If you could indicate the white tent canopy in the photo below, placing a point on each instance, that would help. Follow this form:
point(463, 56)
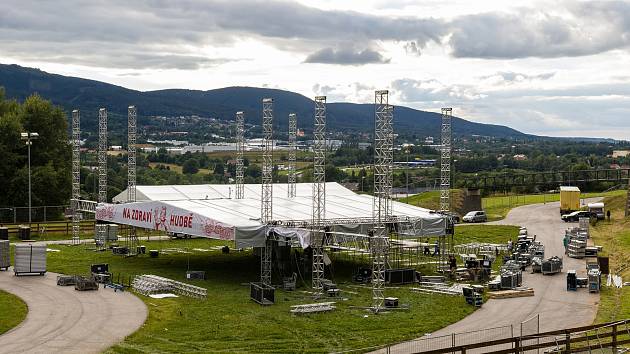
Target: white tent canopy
point(211, 210)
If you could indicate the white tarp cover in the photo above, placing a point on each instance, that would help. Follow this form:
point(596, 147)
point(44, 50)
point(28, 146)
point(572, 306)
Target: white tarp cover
point(213, 209)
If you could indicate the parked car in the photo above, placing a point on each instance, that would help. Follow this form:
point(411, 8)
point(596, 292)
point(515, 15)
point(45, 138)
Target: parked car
point(576, 215)
point(475, 216)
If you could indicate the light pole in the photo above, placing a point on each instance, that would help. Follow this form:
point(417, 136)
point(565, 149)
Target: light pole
point(407, 173)
point(28, 138)
point(362, 179)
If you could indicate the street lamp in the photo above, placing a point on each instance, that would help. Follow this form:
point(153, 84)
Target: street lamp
point(28, 138)
point(362, 179)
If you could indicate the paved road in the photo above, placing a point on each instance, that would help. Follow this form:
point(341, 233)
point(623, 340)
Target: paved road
point(557, 307)
point(63, 320)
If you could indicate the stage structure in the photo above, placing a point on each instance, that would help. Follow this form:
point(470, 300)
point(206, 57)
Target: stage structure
point(319, 192)
point(240, 148)
point(76, 176)
point(383, 153)
point(291, 172)
point(445, 161)
point(266, 210)
point(132, 238)
point(102, 155)
point(445, 244)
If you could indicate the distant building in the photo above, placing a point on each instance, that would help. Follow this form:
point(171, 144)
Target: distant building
point(429, 140)
point(519, 157)
point(620, 153)
point(364, 146)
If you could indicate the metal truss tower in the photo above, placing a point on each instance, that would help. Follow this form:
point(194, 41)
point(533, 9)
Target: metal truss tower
point(132, 238)
point(291, 175)
point(76, 175)
point(266, 210)
point(445, 170)
point(383, 154)
point(319, 192)
point(102, 155)
point(240, 148)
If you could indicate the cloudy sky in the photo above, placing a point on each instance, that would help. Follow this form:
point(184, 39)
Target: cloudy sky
point(558, 68)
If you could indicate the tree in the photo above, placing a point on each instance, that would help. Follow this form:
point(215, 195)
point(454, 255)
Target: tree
point(219, 170)
point(50, 154)
point(191, 166)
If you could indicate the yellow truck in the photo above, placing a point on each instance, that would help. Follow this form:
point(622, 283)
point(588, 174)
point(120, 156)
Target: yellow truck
point(569, 199)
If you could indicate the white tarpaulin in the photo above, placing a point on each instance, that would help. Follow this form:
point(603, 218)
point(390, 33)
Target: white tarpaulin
point(213, 211)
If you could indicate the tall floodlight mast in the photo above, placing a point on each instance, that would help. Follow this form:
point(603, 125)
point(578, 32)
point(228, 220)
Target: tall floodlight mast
point(240, 148)
point(445, 170)
point(266, 210)
point(102, 155)
point(291, 175)
point(132, 238)
point(76, 175)
point(383, 152)
point(319, 192)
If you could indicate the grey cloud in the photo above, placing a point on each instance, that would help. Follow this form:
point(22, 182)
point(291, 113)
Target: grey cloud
point(511, 76)
point(346, 56)
point(588, 28)
point(186, 24)
point(560, 111)
point(410, 90)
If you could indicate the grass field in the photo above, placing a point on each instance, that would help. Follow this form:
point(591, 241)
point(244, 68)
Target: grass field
point(614, 236)
point(12, 311)
point(177, 168)
point(229, 321)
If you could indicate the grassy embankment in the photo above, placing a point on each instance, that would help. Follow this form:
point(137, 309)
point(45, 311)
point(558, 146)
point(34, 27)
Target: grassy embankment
point(12, 311)
point(229, 321)
point(497, 207)
point(614, 236)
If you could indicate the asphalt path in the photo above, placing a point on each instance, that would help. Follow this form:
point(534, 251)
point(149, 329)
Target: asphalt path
point(557, 307)
point(63, 320)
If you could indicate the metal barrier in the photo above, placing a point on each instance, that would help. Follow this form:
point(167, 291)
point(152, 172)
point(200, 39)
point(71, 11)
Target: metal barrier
point(530, 327)
point(46, 213)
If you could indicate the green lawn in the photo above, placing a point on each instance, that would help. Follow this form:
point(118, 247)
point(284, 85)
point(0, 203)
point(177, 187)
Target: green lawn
point(12, 311)
point(229, 321)
point(614, 236)
point(485, 233)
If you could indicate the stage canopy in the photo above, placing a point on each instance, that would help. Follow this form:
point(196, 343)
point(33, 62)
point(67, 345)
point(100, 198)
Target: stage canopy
point(212, 211)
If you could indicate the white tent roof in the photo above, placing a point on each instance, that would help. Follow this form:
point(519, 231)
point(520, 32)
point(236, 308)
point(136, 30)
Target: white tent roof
point(213, 201)
point(215, 205)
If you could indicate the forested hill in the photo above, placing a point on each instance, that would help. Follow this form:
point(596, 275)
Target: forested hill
point(89, 95)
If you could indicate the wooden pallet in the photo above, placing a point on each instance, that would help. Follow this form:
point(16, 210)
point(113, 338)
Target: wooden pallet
point(507, 294)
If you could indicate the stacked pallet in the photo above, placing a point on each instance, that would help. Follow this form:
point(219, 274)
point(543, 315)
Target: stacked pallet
point(29, 259)
point(5, 261)
point(507, 294)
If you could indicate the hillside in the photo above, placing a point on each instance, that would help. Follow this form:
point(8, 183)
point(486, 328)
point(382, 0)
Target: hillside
point(89, 95)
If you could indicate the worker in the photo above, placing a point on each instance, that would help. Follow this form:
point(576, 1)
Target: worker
point(608, 214)
point(452, 263)
point(427, 251)
point(510, 246)
point(565, 242)
point(436, 249)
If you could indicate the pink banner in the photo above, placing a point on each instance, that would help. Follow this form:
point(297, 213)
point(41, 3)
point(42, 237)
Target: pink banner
point(161, 216)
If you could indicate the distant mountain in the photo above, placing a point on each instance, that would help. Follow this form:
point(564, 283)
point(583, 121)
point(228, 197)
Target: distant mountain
point(89, 95)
